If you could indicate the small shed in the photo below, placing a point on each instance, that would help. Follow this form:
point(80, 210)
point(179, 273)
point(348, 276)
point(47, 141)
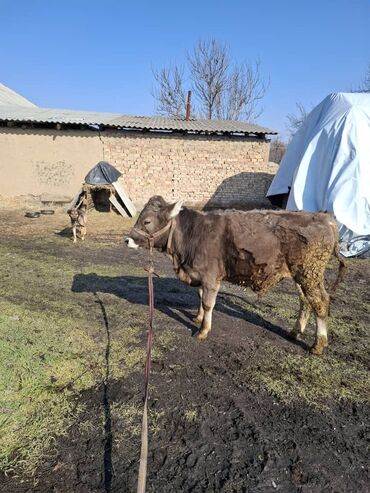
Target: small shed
point(102, 191)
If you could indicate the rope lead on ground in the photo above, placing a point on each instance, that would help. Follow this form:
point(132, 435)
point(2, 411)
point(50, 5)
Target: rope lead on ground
point(144, 426)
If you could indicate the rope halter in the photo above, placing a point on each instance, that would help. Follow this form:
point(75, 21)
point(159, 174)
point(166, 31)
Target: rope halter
point(152, 237)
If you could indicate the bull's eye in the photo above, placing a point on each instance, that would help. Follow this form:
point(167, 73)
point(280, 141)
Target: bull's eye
point(146, 223)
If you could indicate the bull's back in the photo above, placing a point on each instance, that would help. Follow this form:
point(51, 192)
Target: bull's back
point(266, 246)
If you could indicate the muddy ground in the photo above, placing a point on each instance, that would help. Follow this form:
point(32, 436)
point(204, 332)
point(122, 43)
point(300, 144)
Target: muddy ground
point(247, 410)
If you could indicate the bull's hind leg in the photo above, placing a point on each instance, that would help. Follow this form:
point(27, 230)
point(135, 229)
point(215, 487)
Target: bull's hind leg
point(319, 300)
point(200, 315)
point(321, 341)
point(209, 296)
point(303, 316)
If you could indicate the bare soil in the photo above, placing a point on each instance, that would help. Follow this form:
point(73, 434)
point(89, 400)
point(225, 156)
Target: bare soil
point(215, 426)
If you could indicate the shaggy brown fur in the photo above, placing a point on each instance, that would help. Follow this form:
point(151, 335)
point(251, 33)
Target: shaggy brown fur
point(254, 248)
point(78, 221)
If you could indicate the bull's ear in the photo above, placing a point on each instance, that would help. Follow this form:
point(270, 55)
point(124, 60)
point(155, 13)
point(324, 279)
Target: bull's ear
point(174, 209)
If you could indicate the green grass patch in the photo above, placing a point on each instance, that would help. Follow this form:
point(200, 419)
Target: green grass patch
point(45, 361)
point(315, 380)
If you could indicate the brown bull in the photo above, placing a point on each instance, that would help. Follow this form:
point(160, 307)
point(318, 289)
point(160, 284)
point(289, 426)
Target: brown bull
point(255, 248)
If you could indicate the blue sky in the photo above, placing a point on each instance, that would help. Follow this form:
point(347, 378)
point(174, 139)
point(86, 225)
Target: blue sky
point(98, 55)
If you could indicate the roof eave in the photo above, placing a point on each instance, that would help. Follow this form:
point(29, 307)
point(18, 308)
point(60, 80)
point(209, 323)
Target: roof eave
point(164, 129)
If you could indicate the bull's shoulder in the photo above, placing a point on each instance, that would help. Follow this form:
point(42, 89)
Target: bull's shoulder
point(201, 228)
point(196, 217)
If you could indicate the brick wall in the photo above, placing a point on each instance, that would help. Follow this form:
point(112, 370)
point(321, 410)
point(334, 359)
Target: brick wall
point(203, 170)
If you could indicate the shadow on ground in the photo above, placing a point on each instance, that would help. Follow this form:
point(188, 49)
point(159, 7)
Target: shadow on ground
point(171, 298)
point(107, 458)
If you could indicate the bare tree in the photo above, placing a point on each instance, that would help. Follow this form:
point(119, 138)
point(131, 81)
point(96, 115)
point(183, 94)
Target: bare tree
point(243, 93)
point(209, 64)
point(295, 120)
point(170, 93)
point(222, 88)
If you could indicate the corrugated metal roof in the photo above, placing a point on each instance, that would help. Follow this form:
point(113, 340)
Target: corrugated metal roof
point(47, 115)
point(165, 123)
point(113, 120)
point(9, 97)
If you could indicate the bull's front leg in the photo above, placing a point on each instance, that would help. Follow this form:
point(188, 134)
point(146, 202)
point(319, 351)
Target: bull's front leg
point(74, 232)
point(209, 295)
point(200, 315)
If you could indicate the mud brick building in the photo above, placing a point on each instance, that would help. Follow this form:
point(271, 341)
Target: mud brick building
point(206, 162)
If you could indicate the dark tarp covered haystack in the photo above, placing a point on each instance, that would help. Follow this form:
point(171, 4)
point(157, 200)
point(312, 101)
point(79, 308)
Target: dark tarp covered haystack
point(103, 192)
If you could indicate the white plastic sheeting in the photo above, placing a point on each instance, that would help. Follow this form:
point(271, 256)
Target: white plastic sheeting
point(327, 163)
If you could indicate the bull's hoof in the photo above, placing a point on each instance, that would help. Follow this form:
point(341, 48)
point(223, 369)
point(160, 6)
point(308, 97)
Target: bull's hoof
point(201, 336)
point(319, 346)
point(197, 320)
point(316, 350)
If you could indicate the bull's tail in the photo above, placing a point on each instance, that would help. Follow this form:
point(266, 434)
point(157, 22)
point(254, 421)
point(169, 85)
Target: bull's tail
point(341, 270)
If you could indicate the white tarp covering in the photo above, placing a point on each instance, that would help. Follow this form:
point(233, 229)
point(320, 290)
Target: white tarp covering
point(327, 163)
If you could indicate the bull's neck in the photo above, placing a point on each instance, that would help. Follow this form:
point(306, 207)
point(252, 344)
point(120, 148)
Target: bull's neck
point(182, 234)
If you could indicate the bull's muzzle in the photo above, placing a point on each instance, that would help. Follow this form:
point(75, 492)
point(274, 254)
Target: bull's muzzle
point(131, 243)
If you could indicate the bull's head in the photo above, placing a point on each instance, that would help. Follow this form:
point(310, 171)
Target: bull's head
point(153, 224)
